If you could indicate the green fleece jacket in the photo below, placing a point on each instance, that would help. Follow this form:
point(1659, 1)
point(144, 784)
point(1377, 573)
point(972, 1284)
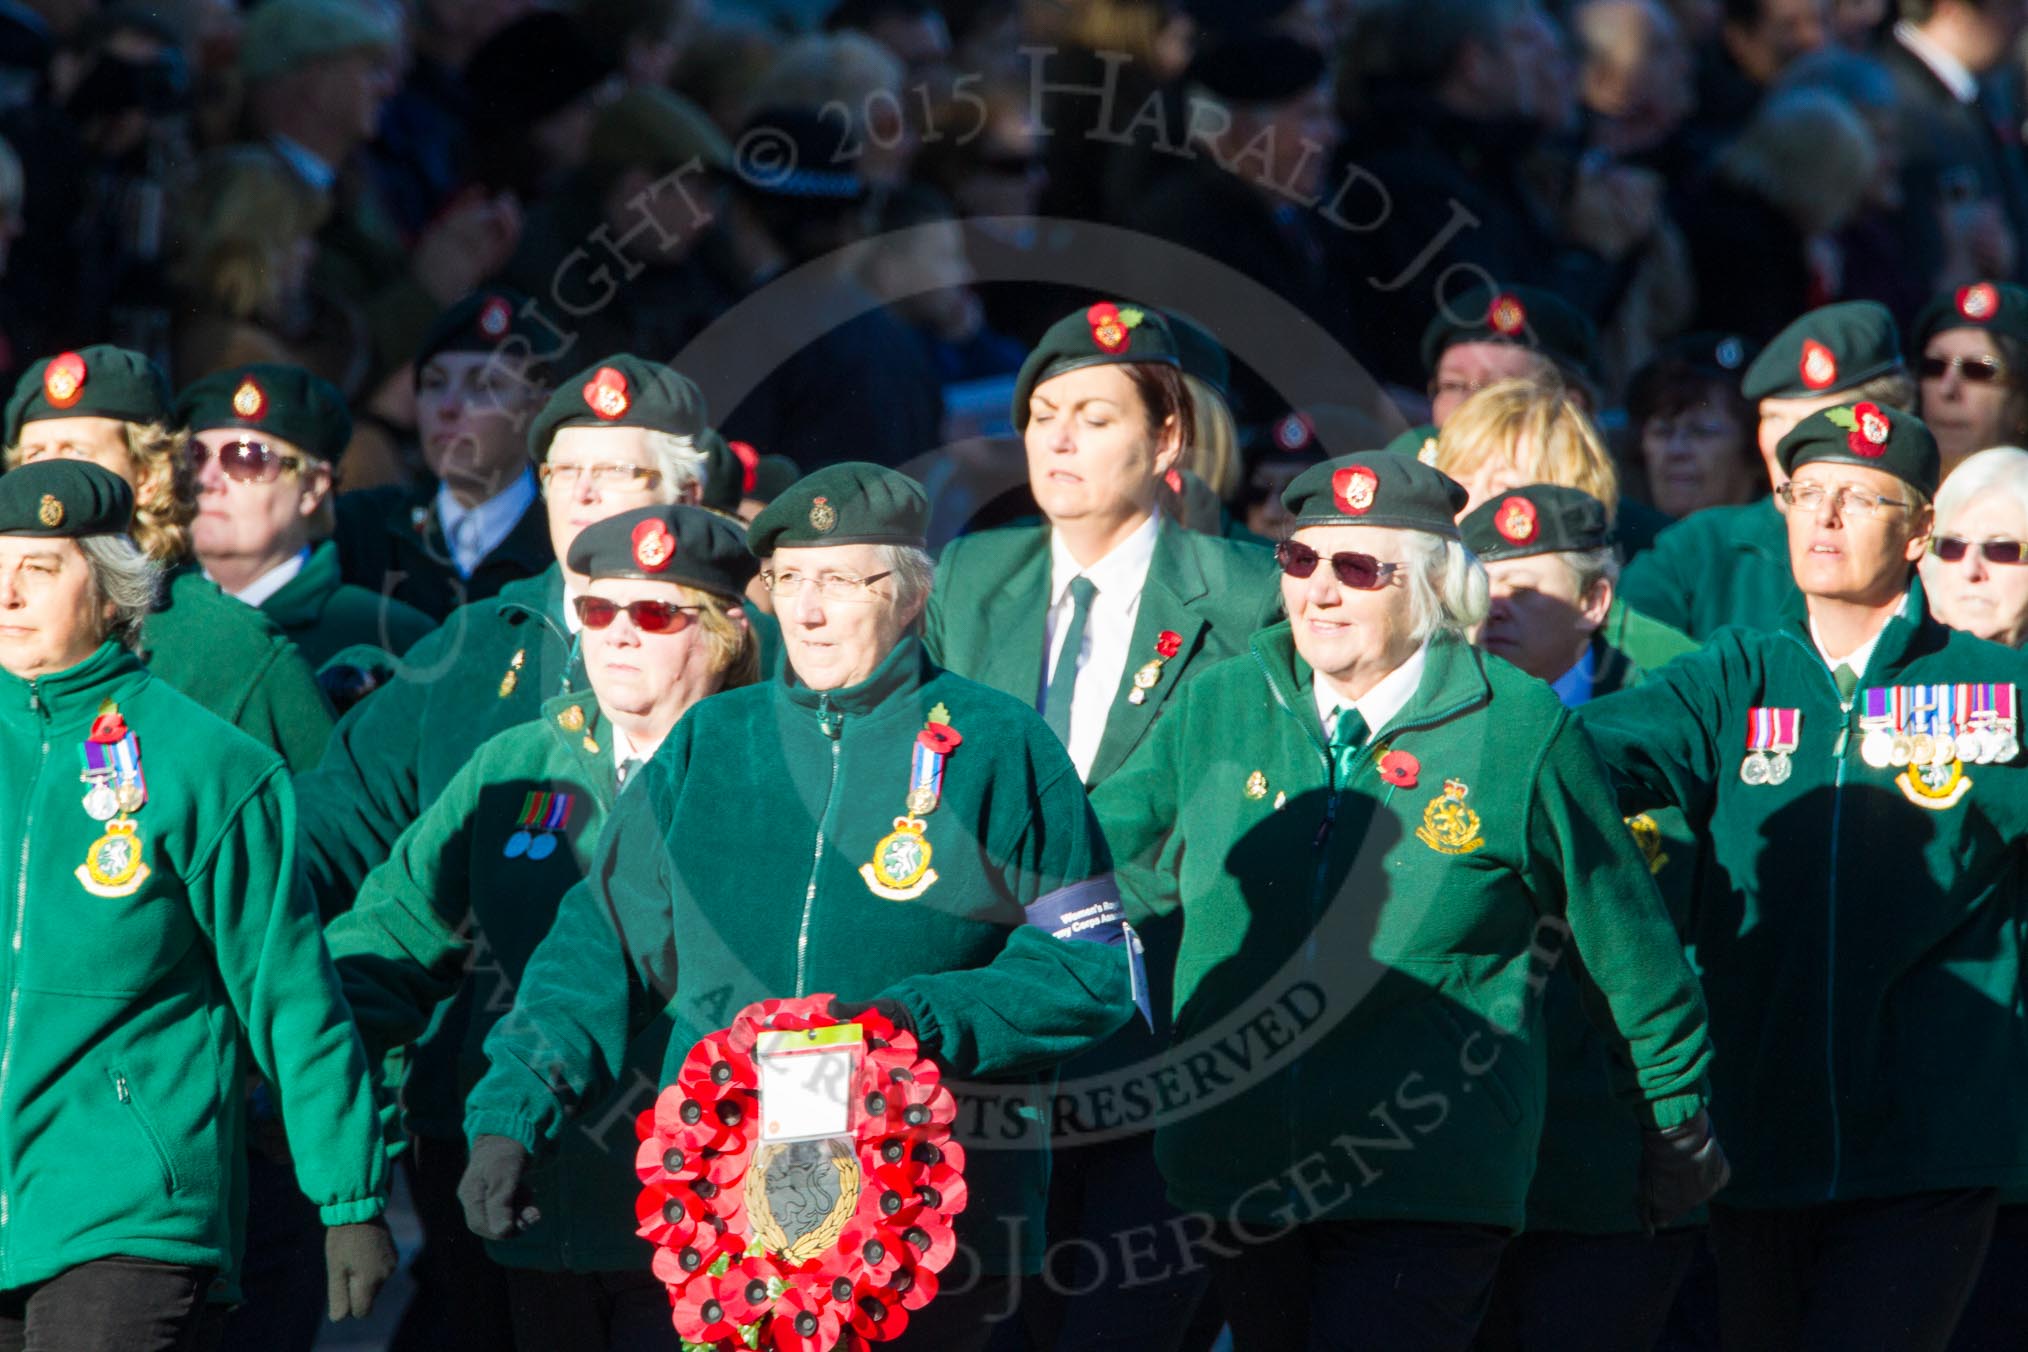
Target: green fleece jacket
point(232, 659)
point(409, 944)
point(1861, 952)
point(136, 1000)
point(1720, 566)
point(1355, 1007)
point(323, 615)
point(732, 872)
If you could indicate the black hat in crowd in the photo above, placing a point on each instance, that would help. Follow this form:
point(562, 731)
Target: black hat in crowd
point(1872, 436)
point(1107, 333)
point(620, 391)
point(64, 499)
point(853, 503)
point(1996, 307)
point(1537, 519)
point(287, 402)
point(1526, 316)
point(100, 381)
point(668, 543)
point(1377, 488)
point(1832, 348)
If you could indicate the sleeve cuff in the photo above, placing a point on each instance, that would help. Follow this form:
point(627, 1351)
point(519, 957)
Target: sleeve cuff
point(1674, 1110)
point(929, 1034)
point(514, 1127)
point(351, 1213)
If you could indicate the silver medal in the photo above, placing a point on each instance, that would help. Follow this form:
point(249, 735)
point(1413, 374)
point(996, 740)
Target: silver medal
point(1754, 769)
point(517, 845)
point(1779, 768)
point(1946, 750)
point(1876, 748)
point(542, 846)
point(100, 802)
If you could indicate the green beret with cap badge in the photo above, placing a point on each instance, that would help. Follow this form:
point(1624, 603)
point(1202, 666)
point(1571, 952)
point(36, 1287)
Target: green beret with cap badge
point(1377, 488)
point(1537, 519)
point(668, 543)
point(493, 319)
point(1870, 435)
point(620, 391)
point(853, 503)
point(1107, 333)
point(1997, 307)
point(100, 381)
point(1832, 348)
point(1525, 316)
point(288, 402)
point(64, 499)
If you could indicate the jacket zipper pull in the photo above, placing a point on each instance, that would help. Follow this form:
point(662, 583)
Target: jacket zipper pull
point(34, 699)
point(1330, 816)
point(828, 721)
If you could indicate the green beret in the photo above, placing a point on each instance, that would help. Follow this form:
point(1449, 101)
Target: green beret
point(669, 543)
point(1202, 355)
point(1832, 348)
point(65, 498)
point(1998, 307)
point(773, 477)
point(283, 401)
point(850, 504)
point(100, 381)
point(1107, 334)
point(482, 322)
point(1537, 519)
point(1871, 435)
point(1315, 433)
point(1526, 316)
point(620, 391)
point(1418, 443)
point(1376, 488)
point(649, 128)
point(727, 473)
point(284, 34)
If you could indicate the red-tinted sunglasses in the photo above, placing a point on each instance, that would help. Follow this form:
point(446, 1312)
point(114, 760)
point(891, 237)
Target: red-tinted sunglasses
point(650, 617)
point(1361, 572)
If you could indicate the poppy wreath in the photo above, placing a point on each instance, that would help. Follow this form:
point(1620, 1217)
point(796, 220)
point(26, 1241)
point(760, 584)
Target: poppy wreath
point(727, 1289)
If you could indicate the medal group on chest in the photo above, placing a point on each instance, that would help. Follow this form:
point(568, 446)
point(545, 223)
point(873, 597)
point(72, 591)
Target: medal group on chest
point(115, 789)
point(1928, 732)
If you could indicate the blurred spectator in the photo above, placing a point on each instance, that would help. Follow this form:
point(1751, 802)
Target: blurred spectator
point(1857, 24)
point(31, 31)
point(1789, 184)
point(11, 358)
point(856, 84)
point(1971, 357)
point(243, 274)
point(1265, 105)
point(625, 258)
point(724, 60)
point(1757, 41)
point(1693, 429)
point(1635, 78)
point(1965, 181)
point(912, 29)
point(1517, 333)
point(925, 279)
point(642, 39)
point(848, 382)
point(1133, 48)
point(536, 87)
point(1976, 573)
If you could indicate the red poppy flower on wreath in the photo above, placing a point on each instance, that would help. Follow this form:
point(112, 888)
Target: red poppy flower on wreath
point(751, 1299)
point(876, 1312)
point(930, 1241)
point(916, 1282)
point(872, 1246)
point(802, 1321)
point(941, 738)
point(917, 1103)
point(1168, 643)
point(1400, 769)
point(670, 1214)
point(708, 1310)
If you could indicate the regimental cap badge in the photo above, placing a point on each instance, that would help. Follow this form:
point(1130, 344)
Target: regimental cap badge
point(823, 516)
point(606, 393)
point(50, 512)
point(654, 546)
point(1730, 353)
point(1979, 302)
point(1506, 315)
point(1353, 489)
point(247, 401)
point(1428, 454)
point(63, 380)
point(1516, 521)
point(494, 317)
point(1112, 326)
point(1294, 432)
point(1819, 365)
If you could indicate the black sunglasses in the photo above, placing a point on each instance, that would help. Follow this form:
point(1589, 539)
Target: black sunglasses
point(650, 617)
point(1950, 549)
point(1976, 370)
point(1361, 572)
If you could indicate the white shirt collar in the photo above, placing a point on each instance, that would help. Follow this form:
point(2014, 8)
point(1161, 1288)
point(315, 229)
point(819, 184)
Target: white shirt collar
point(624, 748)
point(1120, 573)
point(474, 532)
point(1389, 696)
point(1573, 687)
point(273, 580)
point(1964, 85)
point(1860, 657)
point(308, 165)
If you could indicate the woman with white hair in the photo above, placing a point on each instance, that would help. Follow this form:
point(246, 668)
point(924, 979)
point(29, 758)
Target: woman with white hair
point(1378, 840)
point(1973, 573)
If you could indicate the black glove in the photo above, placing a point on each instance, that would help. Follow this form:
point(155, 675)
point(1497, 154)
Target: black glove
point(893, 1011)
point(1682, 1168)
point(494, 1189)
point(358, 1260)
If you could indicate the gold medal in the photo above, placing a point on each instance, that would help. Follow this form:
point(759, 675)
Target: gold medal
point(922, 801)
point(1921, 749)
point(130, 796)
point(113, 865)
point(1256, 785)
point(900, 868)
point(1147, 676)
point(591, 745)
point(571, 719)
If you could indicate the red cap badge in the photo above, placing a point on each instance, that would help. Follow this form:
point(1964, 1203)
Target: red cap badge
point(1507, 316)
point(1979, 302)
point(1293, 432)
point(606, 393)
point(654, 546)
point(1818, 368)
point(1353, 489)
point(749, 466)
point(494, 317)
point(63, 382)
point(248, 401)
point(1111, 325)
point(1515, 520)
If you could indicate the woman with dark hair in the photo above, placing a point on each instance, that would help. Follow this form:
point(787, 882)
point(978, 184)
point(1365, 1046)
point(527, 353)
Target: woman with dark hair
point(1694, 428)
point(1971, 354)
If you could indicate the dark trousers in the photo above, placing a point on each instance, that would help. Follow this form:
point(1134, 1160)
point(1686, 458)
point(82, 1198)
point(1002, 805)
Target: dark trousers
point(1996, 1317)
point(461, 1295)
point(1561, 1292)
point(590, 1311)
point(282, 1277)
point(113, 1305)
point(1116, 1276)
point(1334, 1286)
point(957, 1320)
point(1891, 1273)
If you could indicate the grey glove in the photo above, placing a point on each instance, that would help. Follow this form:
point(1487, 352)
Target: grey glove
point(1682, 1168)
point(358, 1260)
point(494, 1189)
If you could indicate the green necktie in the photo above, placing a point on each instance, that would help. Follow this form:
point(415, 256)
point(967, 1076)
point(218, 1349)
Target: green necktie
point(1348, 736)
point(1063, 680)
point(1848, 682)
